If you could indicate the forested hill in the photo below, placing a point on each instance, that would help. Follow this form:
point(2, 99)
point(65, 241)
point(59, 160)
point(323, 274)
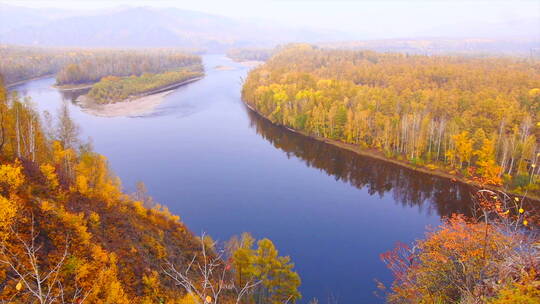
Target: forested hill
point(148, 27)
point(473, 117)
point(68, 234)
point(77, 65)
point(63, 214)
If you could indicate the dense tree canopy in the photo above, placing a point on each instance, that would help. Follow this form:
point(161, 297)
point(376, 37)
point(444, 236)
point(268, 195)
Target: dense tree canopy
point(100, 63)
point(473, 116)
point(78, 65)
point(22, 63)
point(249, 54)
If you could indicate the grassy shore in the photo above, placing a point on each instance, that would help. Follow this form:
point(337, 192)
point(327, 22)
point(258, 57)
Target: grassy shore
point(74, 87)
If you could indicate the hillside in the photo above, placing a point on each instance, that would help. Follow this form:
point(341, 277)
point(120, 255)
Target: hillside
point(63, 211)
point(148, 27)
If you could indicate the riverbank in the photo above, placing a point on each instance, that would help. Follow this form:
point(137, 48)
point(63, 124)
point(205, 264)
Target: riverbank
point(376, 154)
point(73, 87)
point(134, 106)
point(251, 63)
point(14, 84)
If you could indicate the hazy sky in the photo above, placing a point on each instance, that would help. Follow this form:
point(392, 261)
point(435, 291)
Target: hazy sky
point(384, 17)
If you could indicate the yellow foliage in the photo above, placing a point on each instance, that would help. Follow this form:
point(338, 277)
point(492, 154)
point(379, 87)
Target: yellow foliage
point(94, 179)
point(189, 298)
point(534, 92)
point(19, 286)
point(46, 206)
point(61, 155)
point(525, 292)
point(431, 166)
point(94, 219)
point(140, 209)
point(49, 172)
point(151, 285)
point(11, 175)
point(82, 184)
point(8, 210)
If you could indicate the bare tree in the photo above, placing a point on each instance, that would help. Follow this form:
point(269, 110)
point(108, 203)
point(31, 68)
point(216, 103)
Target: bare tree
point(67, 131)
point(42, 285)
point(212, 273)
point(141, 195)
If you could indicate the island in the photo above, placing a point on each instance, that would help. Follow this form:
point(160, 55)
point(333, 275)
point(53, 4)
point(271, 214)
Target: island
point(134, 95)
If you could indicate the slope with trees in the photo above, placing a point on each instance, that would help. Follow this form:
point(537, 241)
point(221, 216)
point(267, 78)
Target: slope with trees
point(473, 117)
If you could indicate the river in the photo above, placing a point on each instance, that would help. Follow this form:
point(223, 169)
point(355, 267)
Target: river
point(225, 170)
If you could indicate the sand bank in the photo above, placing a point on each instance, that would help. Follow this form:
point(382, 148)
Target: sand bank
point(133, 107)
point(143, 104)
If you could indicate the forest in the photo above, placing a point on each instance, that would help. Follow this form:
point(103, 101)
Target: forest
point(22, 63)
point(476, 118)
point(250, 54)
point(112, 89)
point(80, 65)
point(101, 63)
point(68, 234)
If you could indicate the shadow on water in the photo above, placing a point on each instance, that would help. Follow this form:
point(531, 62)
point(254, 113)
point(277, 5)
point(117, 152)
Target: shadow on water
point(407, 186)
point(72, 95)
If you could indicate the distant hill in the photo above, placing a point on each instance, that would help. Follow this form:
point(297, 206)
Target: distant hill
point(142, 27)
point(173, 27)
point(522, 46)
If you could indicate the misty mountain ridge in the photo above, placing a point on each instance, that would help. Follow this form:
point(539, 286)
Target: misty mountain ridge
point(173, 27)
point(147, 27)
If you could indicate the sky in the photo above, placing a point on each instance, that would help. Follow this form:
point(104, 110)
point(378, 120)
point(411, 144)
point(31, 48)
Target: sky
point(383, 17)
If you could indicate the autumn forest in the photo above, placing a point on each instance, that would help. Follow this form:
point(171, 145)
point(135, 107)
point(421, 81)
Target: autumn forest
point(265, 153)
point(476, 118)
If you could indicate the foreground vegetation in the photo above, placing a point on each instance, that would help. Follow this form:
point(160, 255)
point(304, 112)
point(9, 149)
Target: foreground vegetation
point(115, 89)
point(472, 117)
point(491, 258)
point(69, 235)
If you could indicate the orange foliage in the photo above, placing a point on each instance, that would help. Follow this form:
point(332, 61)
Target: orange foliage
point(468, 260)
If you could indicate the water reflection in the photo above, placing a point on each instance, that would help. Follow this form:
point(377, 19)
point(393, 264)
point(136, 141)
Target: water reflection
point(72, 95)
point(408, 187)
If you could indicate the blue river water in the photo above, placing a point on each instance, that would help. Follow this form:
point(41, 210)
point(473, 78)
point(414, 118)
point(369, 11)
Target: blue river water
point(225, 171)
